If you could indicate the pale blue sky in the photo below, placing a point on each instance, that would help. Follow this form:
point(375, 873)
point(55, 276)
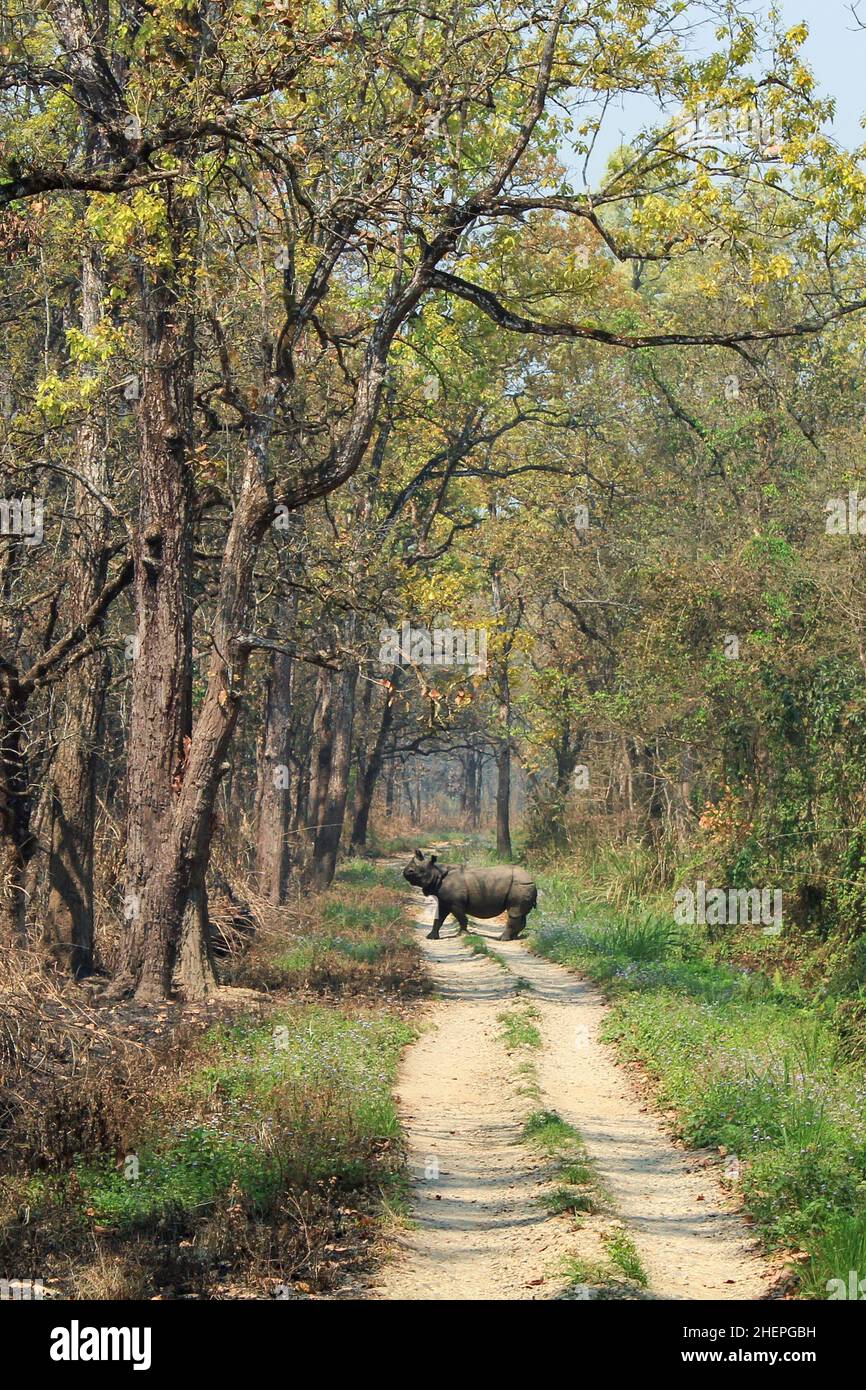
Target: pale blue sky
point(835, 50)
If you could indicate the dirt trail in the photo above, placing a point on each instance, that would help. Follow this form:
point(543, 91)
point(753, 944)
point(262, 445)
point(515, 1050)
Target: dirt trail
point(478, 1230)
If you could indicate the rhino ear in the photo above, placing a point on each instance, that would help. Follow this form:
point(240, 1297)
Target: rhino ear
point(432, 858)
point(418, 854)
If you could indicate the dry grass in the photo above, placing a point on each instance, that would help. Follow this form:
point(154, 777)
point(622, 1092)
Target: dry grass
point(84, 1083)
point(352, 941)
point(54, 1051)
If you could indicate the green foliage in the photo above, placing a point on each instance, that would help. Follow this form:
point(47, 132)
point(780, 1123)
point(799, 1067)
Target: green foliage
point(302, 1098)
point(753, 1064)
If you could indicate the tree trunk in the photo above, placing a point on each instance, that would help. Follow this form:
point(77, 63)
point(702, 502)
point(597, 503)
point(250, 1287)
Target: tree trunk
point(649, 788)
point(275, 794)
point(334, 803)
point(503, 746)
point(361, 755)
point(16, 841)
point(503, 800)
point(406, 786)
point(464, 785)
point(476, 773)
point(174, 905)
point(161, 705)
point(321, 750)
point(469, 789)
point(300, 802)
point(161, 714)
point(684, 797)
point(566, 755)
point(69, 912)
point(369, 769)
point(566, 751)
point(391, 786)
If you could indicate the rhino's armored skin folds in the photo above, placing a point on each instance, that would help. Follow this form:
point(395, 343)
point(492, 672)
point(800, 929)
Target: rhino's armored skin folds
point(481, 892)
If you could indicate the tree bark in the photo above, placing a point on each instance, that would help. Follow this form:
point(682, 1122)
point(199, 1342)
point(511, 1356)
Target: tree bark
point(321, 751)
point(69, 911)
point(174, 775)
point(161, 706)
point(333, 807)
point(472, 798)
point(649, 787)
point(275, 796)
point(503, 746)
point(369, 769)
point(174, 902)
point(503, 800)
point(16, 841)
point(391, 785)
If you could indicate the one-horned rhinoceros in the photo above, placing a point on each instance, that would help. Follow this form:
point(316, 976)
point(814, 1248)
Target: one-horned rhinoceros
point(481, 892)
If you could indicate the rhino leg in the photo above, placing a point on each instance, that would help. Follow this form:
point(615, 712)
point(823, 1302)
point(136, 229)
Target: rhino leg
point(516, 923)
point(433, 933)
point(463, 921)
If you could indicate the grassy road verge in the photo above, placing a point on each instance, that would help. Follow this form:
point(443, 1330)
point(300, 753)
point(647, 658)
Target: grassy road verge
point(745, 1058)
point(253, 1154)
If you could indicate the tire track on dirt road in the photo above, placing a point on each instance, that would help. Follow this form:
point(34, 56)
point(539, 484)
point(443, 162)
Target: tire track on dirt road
point(692, 1244)
point(478, 1231)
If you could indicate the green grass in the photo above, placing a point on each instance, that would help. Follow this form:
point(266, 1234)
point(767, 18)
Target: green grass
point(844, 1249)
point(747, 1058)
point(578, 1174)
point(478, 944)
point(623, 1254)
point(620, 1273)
point(481, 947)
point(579, 1192)
point(587, 1274)
point(398, 843)
point(303, 1098)
point(364, 873)
point(351, 941)
point(361, 916)
point(307, 953)
point(266, 1149)
point(520, 1027)
point(578, 1188)
point(549, 1132)
point(565, 1199)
